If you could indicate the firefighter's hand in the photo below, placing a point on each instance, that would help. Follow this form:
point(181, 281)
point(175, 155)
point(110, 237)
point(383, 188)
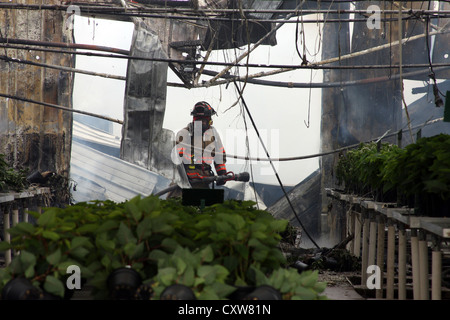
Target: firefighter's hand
point(221, 182)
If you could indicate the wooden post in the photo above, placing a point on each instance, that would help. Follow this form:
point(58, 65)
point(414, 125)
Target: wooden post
point(365, 246)
point(357, 238)
point(26, 204)
point(372, 240)
point(6, 226)
point(436, 271)
point(423, 261)
point(415, 263)
point(401, 262)
point(380, 253)
point(390, 261)
point(15, 213)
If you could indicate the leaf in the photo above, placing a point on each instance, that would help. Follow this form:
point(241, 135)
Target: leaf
point(136, 213)
point(4, 245)
point(29, 272)
point(309, 278)
point(167, 275)
point(207, 254)
point(138, 251)
point(48, 218)
point(79, 252)
point(80, 241)
point(170, 244)
point(156, 255)
point(107, 225)
point(54, 286)
point(88, 228)
point(320, 287)
point(23, 228)
point(51, 235)
point(279, 225)
point(188, 277)
point(27, 259)
point(222, 290)
point(144, 228)
point(106, 261)
point(305, 293)
point(55, 257)
point(124, 235)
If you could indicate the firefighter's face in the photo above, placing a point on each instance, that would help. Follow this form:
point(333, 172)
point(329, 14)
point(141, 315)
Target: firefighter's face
point(206, 122)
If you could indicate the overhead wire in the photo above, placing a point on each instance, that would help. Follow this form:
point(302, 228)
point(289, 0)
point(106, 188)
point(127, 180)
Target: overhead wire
point(273, 168)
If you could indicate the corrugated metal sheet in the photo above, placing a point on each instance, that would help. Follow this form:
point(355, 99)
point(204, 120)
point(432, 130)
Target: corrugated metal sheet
point(101, 176)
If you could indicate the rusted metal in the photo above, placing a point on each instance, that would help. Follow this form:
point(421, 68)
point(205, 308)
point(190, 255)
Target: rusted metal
point(32, 136)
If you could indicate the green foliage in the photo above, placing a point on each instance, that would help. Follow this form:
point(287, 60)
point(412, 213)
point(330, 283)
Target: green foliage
point(421, 170)
point(361, 170)
point(212, 250)
point(11, 179)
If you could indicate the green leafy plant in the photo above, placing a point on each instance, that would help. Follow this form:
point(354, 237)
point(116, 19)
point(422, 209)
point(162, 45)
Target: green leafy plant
point(11, 179)
point(417, 176)
point(360, 170)
point(212, 250)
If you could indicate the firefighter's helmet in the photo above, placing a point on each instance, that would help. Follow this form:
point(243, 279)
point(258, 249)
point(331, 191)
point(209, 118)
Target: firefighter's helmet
point(203, 109)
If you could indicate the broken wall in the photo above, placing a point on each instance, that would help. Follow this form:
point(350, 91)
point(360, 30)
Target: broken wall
point(33, 136)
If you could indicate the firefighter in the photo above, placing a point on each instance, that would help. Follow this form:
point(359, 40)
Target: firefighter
point(200, 148)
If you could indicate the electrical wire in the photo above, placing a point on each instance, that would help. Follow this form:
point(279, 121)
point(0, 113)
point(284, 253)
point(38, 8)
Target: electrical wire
point(273, 168)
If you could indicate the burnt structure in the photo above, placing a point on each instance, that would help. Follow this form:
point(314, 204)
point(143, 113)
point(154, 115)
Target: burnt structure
point(32, 136)
point(39, 137)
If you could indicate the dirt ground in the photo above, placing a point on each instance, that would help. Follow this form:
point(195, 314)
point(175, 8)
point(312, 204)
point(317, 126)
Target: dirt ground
point(339, 285)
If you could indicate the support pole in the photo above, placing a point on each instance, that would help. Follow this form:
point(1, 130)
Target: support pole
point(6, 226)
point(423, 256)
point(357, 238)
point(351, 229)
point(26, 204)
point(15, 213)
point(415, 263)
point(372, 240)
point(402, 262)
point(390, 260)
point(380, 253)
point(365, 246)
point(436, 271)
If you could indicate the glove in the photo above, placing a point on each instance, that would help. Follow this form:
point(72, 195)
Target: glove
point(221, 173)
point(221, 182)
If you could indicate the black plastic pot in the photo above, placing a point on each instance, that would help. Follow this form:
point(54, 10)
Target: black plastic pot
point(144, 292)
point(264, 292)
point(21, 289)
point(123, 283)
point(177, 292)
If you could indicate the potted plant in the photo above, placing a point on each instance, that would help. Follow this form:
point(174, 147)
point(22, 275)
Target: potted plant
point(147, 245)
